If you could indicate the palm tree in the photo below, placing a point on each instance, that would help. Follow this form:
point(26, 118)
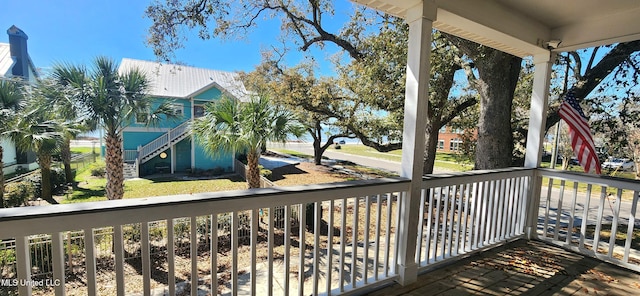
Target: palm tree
point(113, 99)
point(229, 126)
point(60, 102)
point(11, 101)
point(34, 129)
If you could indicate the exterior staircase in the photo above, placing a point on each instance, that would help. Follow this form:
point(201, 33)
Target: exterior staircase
point(130, 170)
point(133, 158)
point(163, 142)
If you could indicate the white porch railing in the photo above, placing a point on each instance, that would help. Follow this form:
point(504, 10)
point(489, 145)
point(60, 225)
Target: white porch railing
point(345, 250)
point(351, 246)
point(465, 212)
point(579, 212)
point(130, 155)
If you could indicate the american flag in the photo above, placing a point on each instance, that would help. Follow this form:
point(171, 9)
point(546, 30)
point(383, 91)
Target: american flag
point(580, 133)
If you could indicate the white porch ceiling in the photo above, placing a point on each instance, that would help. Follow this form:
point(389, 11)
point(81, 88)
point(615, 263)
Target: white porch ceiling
point(523, 27)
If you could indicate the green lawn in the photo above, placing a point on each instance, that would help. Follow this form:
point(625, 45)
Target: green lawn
point(447, 161)
point(93, 188)
point(292, 153)
point(83, 150)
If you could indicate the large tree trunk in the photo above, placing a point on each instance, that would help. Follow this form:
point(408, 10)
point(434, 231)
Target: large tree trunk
point(65, 153)
point(499, 74)
point(44, 160)
point(1, 178)
point(431, 145)
point(253, 169)
point(114, 166)
point(496, 84)
point(317, 152)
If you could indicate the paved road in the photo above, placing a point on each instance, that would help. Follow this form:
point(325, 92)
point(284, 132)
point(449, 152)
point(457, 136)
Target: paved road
point(377, 163)
point(609, 207)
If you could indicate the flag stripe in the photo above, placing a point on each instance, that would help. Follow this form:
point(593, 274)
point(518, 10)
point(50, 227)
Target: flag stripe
point(580, 133)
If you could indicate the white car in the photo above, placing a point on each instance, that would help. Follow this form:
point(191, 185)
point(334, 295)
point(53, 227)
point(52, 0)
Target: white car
point(621, 164)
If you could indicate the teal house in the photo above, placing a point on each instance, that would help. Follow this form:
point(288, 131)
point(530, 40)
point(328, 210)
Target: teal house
point(169, 146)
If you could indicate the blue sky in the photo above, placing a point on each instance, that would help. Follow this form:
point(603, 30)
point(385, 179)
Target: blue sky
point(76, 31)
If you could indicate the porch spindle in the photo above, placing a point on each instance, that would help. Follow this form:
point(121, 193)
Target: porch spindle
point(547, 205)
point(475, 213)
point(234, 253)
point(466, 238)
point(484, 214)
point(614, 225)
point(171, 262)
point(57, 247)
point(146, 261)
point(118, 246)
point(376, 259)
point(420, 227)
point(501, 207)
point(329, 265)
point(302, 247)
point(253, 244)
point(23, 259)
point(90, 260)
point(596, 237)
point(316, 246)
point(631, 225)
point(194, 255)
point(572, 213)
point(427, 245)
point(493, 208)
point(513, 204)
point(585, 217)
point(343, 241)
point(271, 243)
point(354, 243)
point(437, 220)
point(287, 246)
point(367, 227)
point(458, 228)
point(556, 233)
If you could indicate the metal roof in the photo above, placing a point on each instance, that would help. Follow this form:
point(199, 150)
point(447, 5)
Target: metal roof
point(178, 81)
point(6, 61)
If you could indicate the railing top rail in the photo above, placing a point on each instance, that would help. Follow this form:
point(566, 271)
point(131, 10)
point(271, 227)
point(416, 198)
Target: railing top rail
point(608, 181)
point(29, 220)
point(454, 178)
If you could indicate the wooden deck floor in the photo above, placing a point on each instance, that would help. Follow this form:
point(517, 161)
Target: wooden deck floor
point(524, 268)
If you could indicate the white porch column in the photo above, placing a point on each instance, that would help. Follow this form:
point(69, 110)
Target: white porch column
point(538, 112)
point(420, 19)
point(535, 136)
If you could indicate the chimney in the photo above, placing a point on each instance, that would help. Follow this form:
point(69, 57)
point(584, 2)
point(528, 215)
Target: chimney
point(18, 45)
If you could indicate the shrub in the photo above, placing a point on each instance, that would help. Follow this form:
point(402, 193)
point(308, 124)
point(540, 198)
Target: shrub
point(36, 182)
point(59, 179)
point(7, 256)
point(20, 170)
point(98, 170)
point(264, 172)
point(217, 171)
point(58, 182)
point(18, 193)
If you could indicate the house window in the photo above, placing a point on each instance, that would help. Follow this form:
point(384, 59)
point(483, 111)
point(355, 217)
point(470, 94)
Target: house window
point(178, 109)
point(454, 145)
point(198, 111)
point(440, 144)
point(142, 118)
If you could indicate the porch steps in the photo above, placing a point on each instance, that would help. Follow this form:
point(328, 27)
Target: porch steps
point(130, 170)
